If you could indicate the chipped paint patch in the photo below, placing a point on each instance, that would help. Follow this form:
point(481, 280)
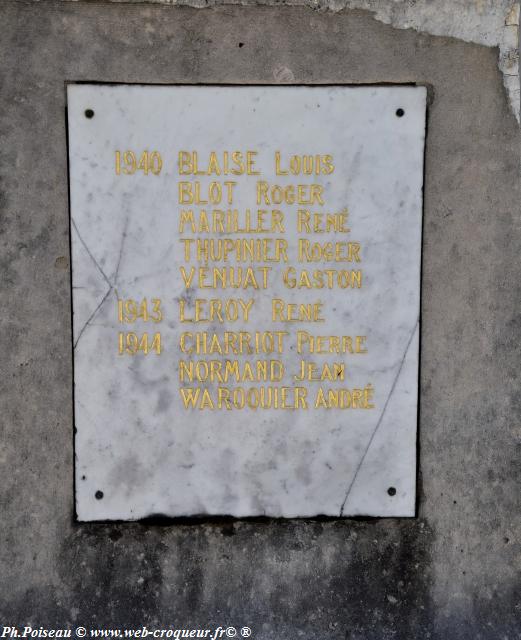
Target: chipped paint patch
point(493, 23)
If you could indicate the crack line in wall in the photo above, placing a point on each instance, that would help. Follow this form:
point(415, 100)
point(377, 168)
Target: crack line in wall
point(380, 419)
point(112, 285)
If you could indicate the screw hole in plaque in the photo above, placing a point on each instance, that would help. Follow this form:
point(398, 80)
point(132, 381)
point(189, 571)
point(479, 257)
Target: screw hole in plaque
point(400, 112)
point(391, 491)
point(89, 113)
point(98, 495)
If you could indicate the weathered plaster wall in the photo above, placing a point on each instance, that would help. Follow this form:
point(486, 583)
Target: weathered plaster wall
point(451, 573)
point(494, 23)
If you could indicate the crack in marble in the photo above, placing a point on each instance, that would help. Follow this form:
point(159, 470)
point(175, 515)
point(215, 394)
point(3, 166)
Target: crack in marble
point(379, 422)
point(116, 274)
point(92, 316)
point(90, 253)
point(112, 285)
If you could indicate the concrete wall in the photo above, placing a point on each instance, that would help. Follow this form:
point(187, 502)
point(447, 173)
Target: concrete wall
point(454, 572)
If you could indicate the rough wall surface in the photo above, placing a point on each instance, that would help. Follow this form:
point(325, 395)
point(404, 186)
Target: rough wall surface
point(494, 23)
point(453, 572)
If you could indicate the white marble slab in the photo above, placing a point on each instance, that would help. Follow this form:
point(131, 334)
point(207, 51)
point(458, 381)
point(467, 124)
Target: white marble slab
point(139, 451)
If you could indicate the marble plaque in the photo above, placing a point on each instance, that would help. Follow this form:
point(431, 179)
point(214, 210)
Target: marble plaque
point(246, 297)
